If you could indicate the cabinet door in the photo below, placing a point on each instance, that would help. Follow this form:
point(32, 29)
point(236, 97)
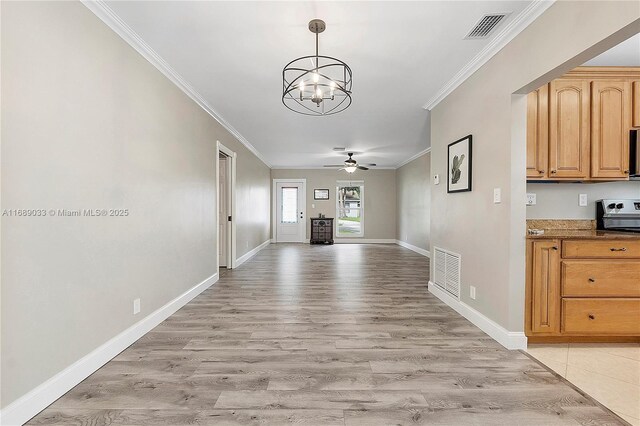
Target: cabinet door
point(569, 129)
point(636, 104)
point(545, 287)
point(610, 125)
point(538, 133)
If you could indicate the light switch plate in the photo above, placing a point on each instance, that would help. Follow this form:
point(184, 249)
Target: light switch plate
point(531, 199)
point(472, 292)
point(497, 195)
point(436, 179)
point(136, 306)
point(582, 200)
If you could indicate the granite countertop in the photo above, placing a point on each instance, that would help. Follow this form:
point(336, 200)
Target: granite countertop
point(585, 234)
point(575, 229)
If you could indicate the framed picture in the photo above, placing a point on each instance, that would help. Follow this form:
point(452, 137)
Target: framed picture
point(459, 165)
point(320, 194)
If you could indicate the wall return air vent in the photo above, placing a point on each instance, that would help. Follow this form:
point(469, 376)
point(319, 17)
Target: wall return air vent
point(447, 271)
point(486, 25)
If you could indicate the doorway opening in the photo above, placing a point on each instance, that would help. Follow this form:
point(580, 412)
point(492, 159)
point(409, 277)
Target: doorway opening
point(225, 189)
point(289, 210)
point(571, 127)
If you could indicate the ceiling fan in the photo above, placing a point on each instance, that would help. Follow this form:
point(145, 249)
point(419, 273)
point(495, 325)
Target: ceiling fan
point(350, 165)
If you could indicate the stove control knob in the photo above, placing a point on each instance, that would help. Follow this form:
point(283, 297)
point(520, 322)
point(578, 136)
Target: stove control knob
point(619, 206)
point(611, 206)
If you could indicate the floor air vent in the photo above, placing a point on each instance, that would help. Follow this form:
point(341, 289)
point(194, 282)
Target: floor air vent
point(486, 25)
point(447, 271)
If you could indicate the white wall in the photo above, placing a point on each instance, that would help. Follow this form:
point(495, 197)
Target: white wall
point(379, 197)
point(490, 237)
point(88, 123)
point(413, 183)
point(560, 200)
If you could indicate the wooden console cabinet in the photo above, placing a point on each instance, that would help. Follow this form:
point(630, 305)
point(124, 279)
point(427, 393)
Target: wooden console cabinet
point(321, 230)
point(583, 290)
point(578, 125)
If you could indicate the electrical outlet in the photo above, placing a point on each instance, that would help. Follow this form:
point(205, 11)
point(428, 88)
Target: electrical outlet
point(247, 244)
point(582, 200)
point(436, 179)
point(497, 195)
point(136, 306)
point(472, 292)
point(313, 206)
point(531, 199)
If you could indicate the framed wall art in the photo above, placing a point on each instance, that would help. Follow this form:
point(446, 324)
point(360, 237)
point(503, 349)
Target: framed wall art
point(320, 194)
point(459, 167)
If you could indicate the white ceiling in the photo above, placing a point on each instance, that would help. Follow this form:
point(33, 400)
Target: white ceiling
point(401, 54)
point(625, 54)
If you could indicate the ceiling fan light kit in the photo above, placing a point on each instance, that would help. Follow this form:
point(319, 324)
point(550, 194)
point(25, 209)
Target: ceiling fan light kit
point(324, 88)
point(350, 165)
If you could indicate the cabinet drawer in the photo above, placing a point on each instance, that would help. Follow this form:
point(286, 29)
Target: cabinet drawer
point(601, 278)
point(616, 249)
point(601, 316)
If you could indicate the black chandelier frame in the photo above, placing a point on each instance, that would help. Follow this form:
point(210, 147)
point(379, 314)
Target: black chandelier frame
point(339, 89)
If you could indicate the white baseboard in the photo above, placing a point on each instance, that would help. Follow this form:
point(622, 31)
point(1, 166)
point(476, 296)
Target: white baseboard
point(250, 254)
point(30, 404)
point(508, 339)
point(414, 248)
point(363, 241)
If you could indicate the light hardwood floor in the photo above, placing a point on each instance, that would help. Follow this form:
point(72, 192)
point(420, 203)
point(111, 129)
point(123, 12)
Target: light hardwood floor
point(322, 335)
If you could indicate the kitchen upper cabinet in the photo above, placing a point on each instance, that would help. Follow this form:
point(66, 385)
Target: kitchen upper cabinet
point(538, 133)
point(610, 125)
point(636, 104)
point(545, 286)
point(569, 129)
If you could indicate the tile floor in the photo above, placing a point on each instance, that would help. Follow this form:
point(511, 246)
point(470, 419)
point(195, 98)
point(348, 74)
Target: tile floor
point(608, 372)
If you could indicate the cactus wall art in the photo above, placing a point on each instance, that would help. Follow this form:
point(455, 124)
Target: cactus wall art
point(459, 170)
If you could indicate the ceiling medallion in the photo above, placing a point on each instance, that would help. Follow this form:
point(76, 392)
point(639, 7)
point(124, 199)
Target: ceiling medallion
point(316, 85)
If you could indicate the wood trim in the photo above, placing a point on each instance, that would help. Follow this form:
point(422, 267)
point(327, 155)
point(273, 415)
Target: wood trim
point(635, 121)
point(607, 73)
point(583, 339)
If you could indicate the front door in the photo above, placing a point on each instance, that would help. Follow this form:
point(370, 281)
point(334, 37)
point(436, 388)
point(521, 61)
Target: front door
point(290, 208)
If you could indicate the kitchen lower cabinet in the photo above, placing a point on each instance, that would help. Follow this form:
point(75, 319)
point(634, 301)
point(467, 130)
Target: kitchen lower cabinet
point(582, 290)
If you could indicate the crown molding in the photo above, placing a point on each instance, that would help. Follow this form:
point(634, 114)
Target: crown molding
point(508, 33)
point(410, 159)
point(113, 21)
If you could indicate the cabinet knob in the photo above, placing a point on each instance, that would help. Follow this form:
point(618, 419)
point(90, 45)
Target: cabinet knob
point(592, 317)
point(626, 172)
point(592, 280)
point(541, 172)
point(619, 249)
point(555, 247)
point(553, 171)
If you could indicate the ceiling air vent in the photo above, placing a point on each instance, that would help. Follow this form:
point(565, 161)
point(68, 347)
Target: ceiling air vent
point(486, 25)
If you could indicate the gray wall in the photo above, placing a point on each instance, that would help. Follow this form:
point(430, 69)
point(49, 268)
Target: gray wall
point(379, 197)
point(413, 184)
point(88, 123)
point(560, 200)
point(490, 237)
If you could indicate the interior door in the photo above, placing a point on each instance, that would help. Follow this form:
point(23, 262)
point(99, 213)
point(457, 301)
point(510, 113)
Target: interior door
point(290, 212)
point(223, 212)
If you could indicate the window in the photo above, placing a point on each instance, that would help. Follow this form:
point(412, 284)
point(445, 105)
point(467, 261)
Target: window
point(289, 205)
point(350, 209)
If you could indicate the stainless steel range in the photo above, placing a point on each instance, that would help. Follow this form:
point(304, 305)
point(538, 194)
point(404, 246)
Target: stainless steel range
point(618, 215)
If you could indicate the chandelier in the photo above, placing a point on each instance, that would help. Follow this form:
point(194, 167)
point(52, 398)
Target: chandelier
point(316, 84)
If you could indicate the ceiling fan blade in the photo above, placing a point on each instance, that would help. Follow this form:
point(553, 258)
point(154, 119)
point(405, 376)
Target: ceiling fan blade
point(362, 167)
point(371, 164)
point(333, 165)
